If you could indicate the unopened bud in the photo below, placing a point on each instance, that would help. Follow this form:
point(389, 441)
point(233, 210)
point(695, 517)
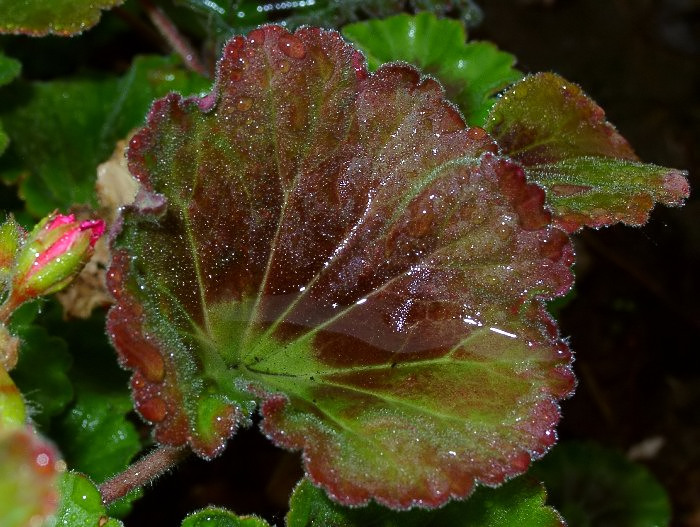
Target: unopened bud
point(55, 251)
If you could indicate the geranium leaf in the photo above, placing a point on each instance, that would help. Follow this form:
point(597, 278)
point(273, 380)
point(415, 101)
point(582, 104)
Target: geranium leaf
point(471, 72)
point(82, 119)
point(9, 69)
point(29, 470)
point(215, 517)
point(338, 246)
point(60, 17)
point(589, 171)
point(81, 503)
point(518, 503)
point(610, 491)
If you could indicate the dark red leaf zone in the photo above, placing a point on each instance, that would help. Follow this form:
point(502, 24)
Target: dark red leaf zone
point(340, 246)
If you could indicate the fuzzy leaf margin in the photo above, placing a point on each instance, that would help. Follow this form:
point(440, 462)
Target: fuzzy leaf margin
point(337, 247)
point(590, 173)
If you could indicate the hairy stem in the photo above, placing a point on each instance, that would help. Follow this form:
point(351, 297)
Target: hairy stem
point(176, 40)
point(144, 471)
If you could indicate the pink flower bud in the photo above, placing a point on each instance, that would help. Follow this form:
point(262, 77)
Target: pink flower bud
point(55, 251)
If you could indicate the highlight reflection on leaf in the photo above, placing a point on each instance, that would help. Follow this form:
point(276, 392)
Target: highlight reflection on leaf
point(339, 248)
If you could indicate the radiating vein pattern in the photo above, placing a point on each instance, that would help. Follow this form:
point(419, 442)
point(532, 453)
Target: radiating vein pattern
point(338, 248)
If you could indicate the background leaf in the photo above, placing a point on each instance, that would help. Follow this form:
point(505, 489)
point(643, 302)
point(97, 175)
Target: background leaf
point(60, 17)
point(590, 173)
point(82, 119)
point(471, 72)
point(214, 517)
point(42, 370)
point(518, 503)
point(224, 18)
point(594, 486)
point(95, 433)
point(81, 503)
point(340, 247)
point(9, 69)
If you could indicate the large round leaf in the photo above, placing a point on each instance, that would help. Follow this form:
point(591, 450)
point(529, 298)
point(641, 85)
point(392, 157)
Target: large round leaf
point(338, 247)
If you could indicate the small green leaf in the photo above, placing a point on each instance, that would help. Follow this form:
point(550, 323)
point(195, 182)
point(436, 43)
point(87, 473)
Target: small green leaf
point(81, 504)
point(60, 17)
point(594, 486)
point(471, 72)
point(215, 517)
point(81, 121)
point(29, 469)
point(518, 503)
point(9, 69)
point(590, 173)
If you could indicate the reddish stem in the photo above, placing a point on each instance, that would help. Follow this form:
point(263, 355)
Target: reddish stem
point(141, 473)
point(176, 40)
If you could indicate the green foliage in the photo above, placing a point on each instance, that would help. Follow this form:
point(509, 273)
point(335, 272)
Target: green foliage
point(594, 486)
point(81, 503)
point(9, 69)
point(518, 503)
point(471, 72)
point(61, 17)
point(41, 373)
point(591, 175)
point(362, 357)
point(42, 370)
point(224, 18)
point(81, 121)
point(213, 517)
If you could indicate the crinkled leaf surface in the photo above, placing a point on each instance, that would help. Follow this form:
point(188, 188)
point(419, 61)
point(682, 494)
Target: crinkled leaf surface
point(215, 517)
point(596, 486)
point(518, 503)
point(591, 175)
point(81, 504)
point(337, 246)
point(81, 120)
point(60, 17)
point(471, 72)
point(29, 471)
